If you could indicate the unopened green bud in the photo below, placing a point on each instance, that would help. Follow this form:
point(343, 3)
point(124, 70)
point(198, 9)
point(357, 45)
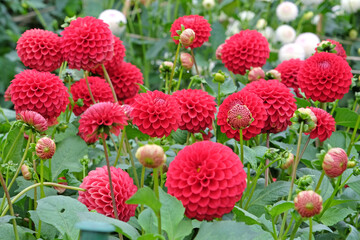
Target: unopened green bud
point(218, 77)
point(308, 15)
point(356, 171)
point(305, 116)
point(353, 34)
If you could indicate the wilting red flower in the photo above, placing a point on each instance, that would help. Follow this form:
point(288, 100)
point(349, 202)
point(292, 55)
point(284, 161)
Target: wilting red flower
point(97, 195)
point(40, 49)
point(278, 101)
point(335, 162)
point(7, 95)
point(33, 119)
point(197, 23)
point(208, 178)
point(156, 113)
point(197, 109)
point(308, 203)
point(104, 117)
point(126, 79)
point(45, 148)
point(244, 50)
point(325, 77)
point(100, 90)
point(232, 104)
point(41, 92)
point(340, 51)
point(289, 70)
point(86, 43)
point(325, 125)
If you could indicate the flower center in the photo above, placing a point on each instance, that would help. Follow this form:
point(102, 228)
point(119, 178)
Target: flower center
point(159, 100)
point(324, 64)
point(239, 117)
point(309, 206)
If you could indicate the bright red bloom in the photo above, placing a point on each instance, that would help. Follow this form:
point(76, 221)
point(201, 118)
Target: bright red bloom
point(100, 90)
point(126, 79)
point(340, 51)
point(208, 178)
point(198, 24)
point(198, 109)
point(244, 50)
point(98, 197)
point(104, 117)
point(45, 148)
point(33, 119)
point(335, 162)
point(156, 113)
point(41, 92)
point(87, 43)
point(40, 49)
point(278, 101)
point(325, 77)
point(325, 125)
point(308, 203)
point(253, 103)
point(289, 70)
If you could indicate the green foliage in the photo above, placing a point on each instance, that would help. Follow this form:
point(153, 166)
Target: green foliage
point(147, 197)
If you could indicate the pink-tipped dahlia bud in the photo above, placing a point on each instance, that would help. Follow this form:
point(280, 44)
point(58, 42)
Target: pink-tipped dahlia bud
point(187, 61)
point(218, 51)
point(45, 148)
point(26, 172)
point(256, 74)
point(308, 203)
point(287, 161)
point(239, 117)
point(166, 67)
point(335, 162)
point(151, 155)
point(273, 74)
point(62, 181)
point(187, 37)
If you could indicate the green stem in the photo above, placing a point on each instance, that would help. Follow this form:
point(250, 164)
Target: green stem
point(267, 172)
point(167, 82)
point(180, 76)
point(289, 226)
point(219, 94)
point(294, 231)
point(320, 180)
point(120, 147)
point(353, 136)
point(156, 190)
point(106, 75)
point(3, 114)
point(39, 15)
point(128, 148)
point(310, 228)
point(142, 184)
point(334, 107)
point(88, 86)
point(174, 66)
point(13, 145)
point(42, 193)
point(196, 67)
point(241, 146)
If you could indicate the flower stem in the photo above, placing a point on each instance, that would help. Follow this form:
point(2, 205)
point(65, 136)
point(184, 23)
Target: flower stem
point(267, 172)
point(353, 136)
point(142, 184)
point(128, 148)
point(174, 66)
point(166, 82)
point(335, 105)
point(196, 67)
point(42, 193)
point(310, 228)
point(219, 94)
point(88, 86)
point(106, 75)
point(180, 76)
point(320, 180)
point(156, 190)
point(294, 231)
point(120, 147)
point(241, 146)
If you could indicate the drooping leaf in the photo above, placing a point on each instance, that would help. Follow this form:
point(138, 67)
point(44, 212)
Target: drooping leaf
point(250, 219)
point(6, 219)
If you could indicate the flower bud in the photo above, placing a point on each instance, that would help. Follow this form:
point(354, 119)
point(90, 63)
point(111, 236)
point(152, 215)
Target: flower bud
point(239, 117)
point(151, 155)
point(308, 15)
point(306, 116)
point(45, 148)
point(273, 74)
point(326, 46)
point(308, 203)
point(335, 162)
point(166, 67)
point(187, 37)
point(351, 164)
point(287, 161)
point(353, 34)
point(256, 74)
point(261, 23)
point(62, 181)
point(208, 4)
point(187, 60)
point(304, 183)
point(218, 51)
point(219, 77)
point(25, 172)
point(356, 171)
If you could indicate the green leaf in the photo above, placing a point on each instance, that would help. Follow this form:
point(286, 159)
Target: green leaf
point(219, 37)
point(155, 49)
point(183, 229)
point(300, 102)
point(151, 236)
point(271, 193)
point(326, 188)
point(6, 219)
point(148, 221)
point(70, 131)
point(355, 186)
point(334, 215)
point(246, 217)
point(179, 136)
point(17, 152)
point(147, 197)
point(47, 231)
point(132, 132)
point(227, 87)
point(92, 8)
point(250, 157)
point(353, 234)
point(280, 207)
point(345, 117)
point(7, 232)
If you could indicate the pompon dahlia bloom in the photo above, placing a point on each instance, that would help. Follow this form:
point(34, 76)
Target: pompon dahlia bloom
point(325, 77)
point(233, 105)
point(208, 178)
point(308, 203)
point(325, 125)
point(285, 34)
point(126, 79)
point(340, 51)
point(40, 49)
point(335, 162)
point(289, 70)
point(244, 50)
point(100, 90)
point(41, 92)
point(98, 197)
point(156, 113)
point(291, 50)
point(86, 43)
point(33, 119)
point(197, 23)
point(287, 11)
point(104, 117)
point(278, 101)
point(198, 109)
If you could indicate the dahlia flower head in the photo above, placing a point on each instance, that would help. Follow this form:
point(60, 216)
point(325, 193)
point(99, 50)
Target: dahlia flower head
point(198, 109)
point(340, 51)
point(33, 120)
point(45, 148)
point(350, 6)
point(235, 108)
point(308, 41)
point(40, 49)
point(308, 203)
point(198, 24)
point(103, 117)
point(208, 178)
point(289, 70)
point(100, 90)
point(325, 125)
point(290, 51)
point(287, 11)
point(156, 113)
point(244, 50)
point(325, 77)
point(40, 92)
point(98, 197)
point(86, 43)
point(126, 79)
point(115, 19)
point(285, 34)
point(278, 101)
point(335, 162)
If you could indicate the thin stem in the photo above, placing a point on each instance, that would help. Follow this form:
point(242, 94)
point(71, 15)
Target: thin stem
point(120, 147)
point(320, 180)
point(328, 202)
point(180, 76)
point(106, 75)
point(132, 161)
point(167, 82)
point(113, 141)
point(142, 184)
point(353, 136)
point(219, 94)
point(50, 176)
point(334, 107)
point(241, 146)
point(267, 172)
point(88, 86)
point(289, 226)
point(174, 66)
point(305, 146)
point(42, 193)
point(294, 231)
point(310, 228)
point(196, 67)
point(156, 190)
point(3, 114)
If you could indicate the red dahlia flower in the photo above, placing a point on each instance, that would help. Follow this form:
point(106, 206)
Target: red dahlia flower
point(289, 70)
point(278, 101)
point(104, 117)
point(197, 109)
point(100, 90)
point(156, 113)
point(325, 125)
point(340, 51)
point(87, 43)
point(238, 106)
point(33, 119)
point(244, 50)
point(197, 23)
point(308, 203)
point(40, 49)
point(208, 178)
point(41, 92)
point(97, 195)
point(325, 77)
